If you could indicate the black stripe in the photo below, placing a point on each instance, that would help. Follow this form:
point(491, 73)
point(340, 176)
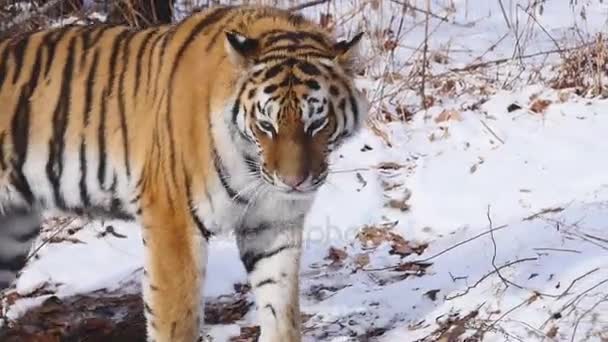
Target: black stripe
point(28, 236)
point(3, 63)
point(54, 166)
point(51, 41)
point(290, 80)
point(90, 37)
point(20, 128)
point(222, 174)
point(114, 58)
point(98, 35)
point(2, 155)
point(250, 259)
point(269, 306)
point(268, 281)
point(121, 104)
point(18, 56)
point(90, 84)
point(219, 31)
point(312, 84)
point(101, 141)
point(297, 37)
point(299, 56)
point(199, 224)
point(84, 192)
point(309, 69)
point(150, 60)
point(210, 19)
point(101, 170)
point(169, 124)
point(148, 309)
point(353, 107)
point(139, 59)
point(161, 62)
point(237, 103)
point(290, 48)
point(85, 37)
point(247, 232)
point(14, 264)
point(252, 164)
point(273, 71)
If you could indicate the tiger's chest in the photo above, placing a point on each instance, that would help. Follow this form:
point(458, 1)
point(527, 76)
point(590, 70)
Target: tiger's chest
point(222, 214)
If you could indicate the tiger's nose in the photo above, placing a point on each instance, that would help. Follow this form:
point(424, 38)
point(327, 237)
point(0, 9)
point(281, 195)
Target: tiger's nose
point(294, 180)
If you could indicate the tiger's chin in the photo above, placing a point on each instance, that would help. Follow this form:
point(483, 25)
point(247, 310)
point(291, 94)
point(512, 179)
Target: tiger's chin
point(297, 194)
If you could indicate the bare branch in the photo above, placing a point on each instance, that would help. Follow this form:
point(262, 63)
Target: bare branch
point(306, 5)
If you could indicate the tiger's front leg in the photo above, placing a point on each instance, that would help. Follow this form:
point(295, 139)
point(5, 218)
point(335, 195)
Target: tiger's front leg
point(173, 275)
point(271, 255)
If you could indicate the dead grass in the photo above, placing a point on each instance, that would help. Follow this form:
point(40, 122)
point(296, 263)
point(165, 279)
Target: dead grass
point(585, 69)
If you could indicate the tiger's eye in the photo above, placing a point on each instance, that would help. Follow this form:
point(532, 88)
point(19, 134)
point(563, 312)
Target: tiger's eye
point(267, 127)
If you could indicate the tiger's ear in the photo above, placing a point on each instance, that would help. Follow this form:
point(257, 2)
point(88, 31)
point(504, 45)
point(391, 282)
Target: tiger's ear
point(241, 49)
point(346, 50)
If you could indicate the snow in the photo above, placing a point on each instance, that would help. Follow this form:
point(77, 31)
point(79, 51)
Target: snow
point(520, 191)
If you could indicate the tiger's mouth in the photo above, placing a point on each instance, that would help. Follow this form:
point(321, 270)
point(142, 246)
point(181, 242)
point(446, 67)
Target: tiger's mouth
point(299, 187)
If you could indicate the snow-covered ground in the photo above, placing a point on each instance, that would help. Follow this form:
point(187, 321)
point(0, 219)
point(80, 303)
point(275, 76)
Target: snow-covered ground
point(484, 216)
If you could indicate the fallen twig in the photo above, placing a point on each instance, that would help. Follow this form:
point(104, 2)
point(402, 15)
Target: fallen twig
point(544, 211)
point(484, 277)
point(491, 131)
point(578, 320)
point(461, 243)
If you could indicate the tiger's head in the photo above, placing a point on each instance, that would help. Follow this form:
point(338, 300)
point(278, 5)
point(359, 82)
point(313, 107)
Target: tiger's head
point(296, 103)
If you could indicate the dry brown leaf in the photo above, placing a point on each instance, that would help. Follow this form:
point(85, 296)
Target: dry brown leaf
point(361, 260)
point(552, 333)
point(563, 96)
point(248, 334)
point(448, 115)
point(389, 166)
point(428, 102)
point(390, 45)
point(533, 298)
point(336, 255)
point(399, 204)
point(539, 106)
point(404, 248)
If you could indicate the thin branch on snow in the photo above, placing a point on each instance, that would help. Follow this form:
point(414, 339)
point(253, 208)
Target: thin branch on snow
point(425, 51)
point(542, 212)
point(566, 250)
point(491, 131)
point(580, 318)
point(47, 240)
point(565, 292)
point(573, 301)
point(494, 247)
point(508, 312)
point(487, 275)
point(474, 66)
point(460, 244)
point(506, 281)
point(504, 14)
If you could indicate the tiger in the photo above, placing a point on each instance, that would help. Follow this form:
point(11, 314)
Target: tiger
point(224, 121)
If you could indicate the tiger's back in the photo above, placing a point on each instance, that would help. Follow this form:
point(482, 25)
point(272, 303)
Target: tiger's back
point(173, 126)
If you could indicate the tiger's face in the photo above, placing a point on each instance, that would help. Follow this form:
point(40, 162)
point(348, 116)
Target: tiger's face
point(296, 111)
